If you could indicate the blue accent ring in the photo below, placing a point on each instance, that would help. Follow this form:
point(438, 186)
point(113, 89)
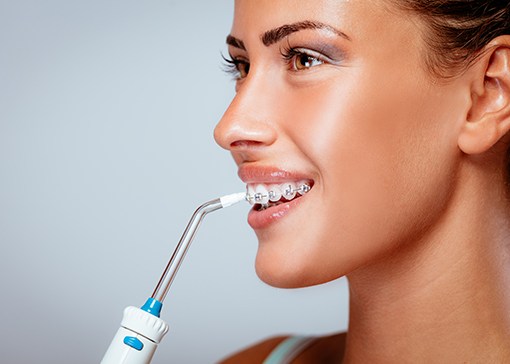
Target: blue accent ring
point(152, 306)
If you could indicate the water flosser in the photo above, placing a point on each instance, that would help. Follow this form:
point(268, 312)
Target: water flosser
point(141, 329)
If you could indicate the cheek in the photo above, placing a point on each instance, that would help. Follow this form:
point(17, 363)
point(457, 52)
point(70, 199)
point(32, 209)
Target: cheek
point(386, 159)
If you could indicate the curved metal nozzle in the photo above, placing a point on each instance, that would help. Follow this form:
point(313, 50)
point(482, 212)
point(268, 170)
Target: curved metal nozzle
point(180, 251)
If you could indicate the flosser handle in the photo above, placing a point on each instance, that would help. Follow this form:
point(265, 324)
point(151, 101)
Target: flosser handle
point(137, 339)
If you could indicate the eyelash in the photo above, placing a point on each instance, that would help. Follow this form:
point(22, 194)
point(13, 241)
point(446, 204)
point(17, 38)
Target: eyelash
point(290, 54)
point(231, 65)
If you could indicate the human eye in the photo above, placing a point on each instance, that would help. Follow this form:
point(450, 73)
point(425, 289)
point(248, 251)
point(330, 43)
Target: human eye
point(236, 66)
point(301, 59)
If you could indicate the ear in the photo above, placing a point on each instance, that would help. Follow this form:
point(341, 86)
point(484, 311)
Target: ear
point(489, 117)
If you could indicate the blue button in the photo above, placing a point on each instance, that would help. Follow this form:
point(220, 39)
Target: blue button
point(133, 342)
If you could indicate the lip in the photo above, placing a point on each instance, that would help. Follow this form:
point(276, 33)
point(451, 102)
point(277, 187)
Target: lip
point(252, 174)
point(264, 218)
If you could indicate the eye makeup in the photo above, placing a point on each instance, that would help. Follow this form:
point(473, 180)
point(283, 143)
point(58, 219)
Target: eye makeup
point(323, 52)
point(301, 50)
point(330, 48)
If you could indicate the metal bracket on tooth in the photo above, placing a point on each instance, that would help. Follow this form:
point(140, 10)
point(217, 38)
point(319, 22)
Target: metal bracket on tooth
point(257, 197)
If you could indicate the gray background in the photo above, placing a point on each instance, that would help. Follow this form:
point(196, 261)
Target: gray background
point(106, 117)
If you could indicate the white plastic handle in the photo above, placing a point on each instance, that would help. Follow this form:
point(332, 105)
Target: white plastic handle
point(137, 338)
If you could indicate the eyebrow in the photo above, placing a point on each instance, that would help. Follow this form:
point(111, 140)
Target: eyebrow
point(235, 42)
point(275, 35)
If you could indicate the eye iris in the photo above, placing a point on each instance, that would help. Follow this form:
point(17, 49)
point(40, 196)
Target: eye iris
point(243, 69)
point(304, 61)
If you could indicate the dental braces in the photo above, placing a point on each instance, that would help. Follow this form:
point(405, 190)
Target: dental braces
point(288, 193)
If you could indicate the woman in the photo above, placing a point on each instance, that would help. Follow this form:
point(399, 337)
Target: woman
point(396, 114)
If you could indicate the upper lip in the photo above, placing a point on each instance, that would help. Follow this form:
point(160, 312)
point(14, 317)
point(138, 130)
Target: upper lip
point(269, 174)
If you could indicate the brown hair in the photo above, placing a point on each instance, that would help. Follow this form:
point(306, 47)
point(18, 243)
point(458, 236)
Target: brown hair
point(458, 29)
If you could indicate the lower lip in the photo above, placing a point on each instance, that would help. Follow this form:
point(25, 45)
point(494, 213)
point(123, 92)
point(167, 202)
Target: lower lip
point(264, 218)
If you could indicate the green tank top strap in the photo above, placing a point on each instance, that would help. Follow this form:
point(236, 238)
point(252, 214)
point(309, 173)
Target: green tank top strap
point(289, 349)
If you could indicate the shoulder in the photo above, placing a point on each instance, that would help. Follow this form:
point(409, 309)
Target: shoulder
point(325, 349)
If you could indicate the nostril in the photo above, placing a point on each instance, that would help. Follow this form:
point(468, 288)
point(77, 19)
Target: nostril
point(239, 144)
point(243, 133)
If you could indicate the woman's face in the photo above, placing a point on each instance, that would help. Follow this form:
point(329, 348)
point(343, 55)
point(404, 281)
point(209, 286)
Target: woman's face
point(336, 93)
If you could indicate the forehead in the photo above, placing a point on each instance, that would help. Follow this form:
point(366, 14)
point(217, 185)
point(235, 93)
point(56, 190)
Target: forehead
point(360, 19)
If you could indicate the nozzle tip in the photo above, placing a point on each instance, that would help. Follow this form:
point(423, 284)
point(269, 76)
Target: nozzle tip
point(232, 199)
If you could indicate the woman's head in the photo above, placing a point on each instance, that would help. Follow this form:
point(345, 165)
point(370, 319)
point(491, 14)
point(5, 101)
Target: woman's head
point(345, 95)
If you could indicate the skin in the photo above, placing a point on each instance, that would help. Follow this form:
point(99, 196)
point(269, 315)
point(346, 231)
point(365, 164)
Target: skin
point(409, 197)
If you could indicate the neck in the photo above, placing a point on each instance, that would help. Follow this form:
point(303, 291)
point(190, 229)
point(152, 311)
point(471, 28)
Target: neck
point(442, 297)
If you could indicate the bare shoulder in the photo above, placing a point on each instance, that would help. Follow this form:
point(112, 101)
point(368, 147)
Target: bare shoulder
point(325, 349)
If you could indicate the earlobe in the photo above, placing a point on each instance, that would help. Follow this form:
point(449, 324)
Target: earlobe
point(489, 117)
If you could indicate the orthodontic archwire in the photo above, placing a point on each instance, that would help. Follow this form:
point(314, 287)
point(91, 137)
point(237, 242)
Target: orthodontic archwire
point(288, 193)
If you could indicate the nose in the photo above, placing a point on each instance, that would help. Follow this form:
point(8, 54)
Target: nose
point(247, 124)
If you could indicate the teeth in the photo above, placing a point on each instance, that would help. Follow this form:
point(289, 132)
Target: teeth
point(250, 194)
point(288, 190)
point(261, 195)
point(275, 193)
point(271, 195)
point(303, 188)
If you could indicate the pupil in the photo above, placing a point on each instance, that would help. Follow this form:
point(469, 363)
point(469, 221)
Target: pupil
point(304, 60)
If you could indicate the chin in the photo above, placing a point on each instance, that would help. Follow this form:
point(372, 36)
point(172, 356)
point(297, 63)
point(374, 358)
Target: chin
point(292, 272)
